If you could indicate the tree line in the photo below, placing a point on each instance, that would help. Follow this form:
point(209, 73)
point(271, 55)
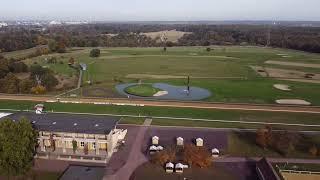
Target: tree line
point(129, 35)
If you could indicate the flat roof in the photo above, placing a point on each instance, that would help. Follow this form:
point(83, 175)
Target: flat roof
point(75, 172)
point(74, 123)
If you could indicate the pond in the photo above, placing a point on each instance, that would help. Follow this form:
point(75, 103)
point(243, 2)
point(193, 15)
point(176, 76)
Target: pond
point(172, 92)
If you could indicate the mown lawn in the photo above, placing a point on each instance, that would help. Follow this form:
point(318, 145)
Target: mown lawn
point(228, 115)
point(120, 65)
point(143, 90)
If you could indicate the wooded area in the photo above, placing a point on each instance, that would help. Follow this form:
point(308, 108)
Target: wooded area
point(130, 35)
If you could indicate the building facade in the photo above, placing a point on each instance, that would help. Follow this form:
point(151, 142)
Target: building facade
point(69, 137)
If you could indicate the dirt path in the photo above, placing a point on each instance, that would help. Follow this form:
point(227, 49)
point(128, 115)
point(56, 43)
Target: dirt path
point(198, 105)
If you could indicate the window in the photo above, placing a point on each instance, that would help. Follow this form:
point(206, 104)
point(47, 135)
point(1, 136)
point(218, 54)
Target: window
point(82, 144)
point(94, 145)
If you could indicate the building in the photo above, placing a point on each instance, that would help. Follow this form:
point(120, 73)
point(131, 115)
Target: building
point(74, 137)
point(265, 170)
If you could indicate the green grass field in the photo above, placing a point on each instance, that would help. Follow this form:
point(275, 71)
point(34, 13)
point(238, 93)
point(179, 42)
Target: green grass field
point(143, 90)
point(228, 115)
point(224, 71)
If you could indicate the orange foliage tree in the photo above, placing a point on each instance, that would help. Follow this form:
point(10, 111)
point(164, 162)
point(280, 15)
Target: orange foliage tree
point(198, 156)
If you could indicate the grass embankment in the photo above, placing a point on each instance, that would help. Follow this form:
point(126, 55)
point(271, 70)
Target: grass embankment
point(143, 90)
point(227, 115)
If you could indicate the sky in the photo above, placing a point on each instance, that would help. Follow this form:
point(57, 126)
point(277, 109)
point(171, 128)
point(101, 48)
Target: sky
point(161, 10)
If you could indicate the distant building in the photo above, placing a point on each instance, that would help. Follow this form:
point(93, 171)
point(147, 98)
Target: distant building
point(265, 170)
point(96, 133)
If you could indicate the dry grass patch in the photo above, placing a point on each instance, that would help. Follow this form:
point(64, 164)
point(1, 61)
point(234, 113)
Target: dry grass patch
point(286, 63)
point(172, 35)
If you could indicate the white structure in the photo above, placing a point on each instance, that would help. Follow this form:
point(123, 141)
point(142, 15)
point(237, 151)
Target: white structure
point(199, 142)
point(215, 152)
point(179, 141)
point(152, 149)
point(179, 168)
point(159, 148)
point(39, 108)
point(169, 167)
point(155, 140)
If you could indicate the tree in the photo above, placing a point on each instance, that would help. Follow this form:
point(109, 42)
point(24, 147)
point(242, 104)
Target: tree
point(74, 146)
point(4, 68)
point(25, 86)
point(38, 90)
point(198, 156)
point(17, 146)
point(71, 61)
point(61, 48)
point(52, 44)
point(95, 53)
point(264, 136)
point(167, 155)
point(86, 149)
point(10, 84)
point(313, 150)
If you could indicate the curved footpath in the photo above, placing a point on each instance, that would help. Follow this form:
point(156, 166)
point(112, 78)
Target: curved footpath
point(200, 105)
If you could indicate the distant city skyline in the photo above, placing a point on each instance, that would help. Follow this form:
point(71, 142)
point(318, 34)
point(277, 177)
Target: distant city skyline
point(164, 10)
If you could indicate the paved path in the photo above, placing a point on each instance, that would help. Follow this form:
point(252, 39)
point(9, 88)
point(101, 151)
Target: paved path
point(199, 105)
point(135, 159)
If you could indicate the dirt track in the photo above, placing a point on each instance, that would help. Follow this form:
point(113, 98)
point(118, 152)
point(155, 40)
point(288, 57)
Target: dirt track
point(200, 105)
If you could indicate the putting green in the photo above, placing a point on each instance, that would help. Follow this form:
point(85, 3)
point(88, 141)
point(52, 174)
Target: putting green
point(143, 90)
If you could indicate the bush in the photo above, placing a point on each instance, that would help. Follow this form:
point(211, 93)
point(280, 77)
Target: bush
point(38, 90)
point(95, 53)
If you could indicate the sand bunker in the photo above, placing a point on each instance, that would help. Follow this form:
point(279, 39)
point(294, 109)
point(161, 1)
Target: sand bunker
point(282, 87)
point(293, 102)
point(160, 93)
point(278, 73)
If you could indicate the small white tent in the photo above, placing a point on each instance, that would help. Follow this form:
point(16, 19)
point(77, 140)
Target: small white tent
point(155, 140)
point(215, 152)
point(199, 142)
point(169, 167)
point(179, 141)
point(179, 168)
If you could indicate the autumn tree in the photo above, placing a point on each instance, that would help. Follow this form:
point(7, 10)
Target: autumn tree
point(10, 84)
point(313, 150)
point(25, 86)
point(264, 136)
point(162, 157)
point(198, 156)
point(17, 146)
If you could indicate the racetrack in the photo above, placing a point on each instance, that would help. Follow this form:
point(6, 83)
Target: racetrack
point(180, 104)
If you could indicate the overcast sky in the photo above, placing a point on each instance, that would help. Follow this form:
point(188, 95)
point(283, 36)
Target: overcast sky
point(130, 10)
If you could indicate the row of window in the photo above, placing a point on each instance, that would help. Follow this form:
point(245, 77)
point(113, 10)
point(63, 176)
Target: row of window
point(93, 144)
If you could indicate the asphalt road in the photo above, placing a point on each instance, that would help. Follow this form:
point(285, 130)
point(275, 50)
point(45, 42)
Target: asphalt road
point(200, 105)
